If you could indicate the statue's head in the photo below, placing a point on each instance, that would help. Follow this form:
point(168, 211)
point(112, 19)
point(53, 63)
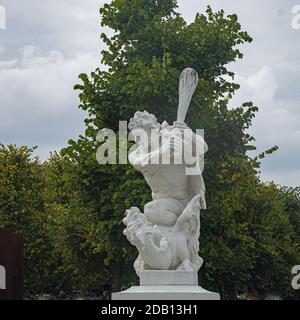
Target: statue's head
point(143, 120)
point(142, 125)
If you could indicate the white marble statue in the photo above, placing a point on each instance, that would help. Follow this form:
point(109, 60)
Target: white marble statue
point(167, 234)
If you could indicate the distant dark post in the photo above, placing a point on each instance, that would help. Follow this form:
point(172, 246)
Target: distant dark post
point(11, 265)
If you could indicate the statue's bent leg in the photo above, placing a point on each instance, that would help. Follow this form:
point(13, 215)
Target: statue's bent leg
point(164, 212)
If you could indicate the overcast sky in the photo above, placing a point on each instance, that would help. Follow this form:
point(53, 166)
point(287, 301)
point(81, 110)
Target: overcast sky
point(47, 43)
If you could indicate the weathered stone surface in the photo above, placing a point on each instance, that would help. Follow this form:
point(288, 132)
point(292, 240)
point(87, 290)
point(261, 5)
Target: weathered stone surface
point(166, 293)
point(159, 277)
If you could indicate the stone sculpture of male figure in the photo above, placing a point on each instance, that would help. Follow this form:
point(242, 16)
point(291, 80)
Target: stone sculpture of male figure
point(172, 188)
point(167, 233)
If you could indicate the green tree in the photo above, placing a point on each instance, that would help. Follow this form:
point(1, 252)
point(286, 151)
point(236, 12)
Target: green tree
point(22, 210)
point(291, 198)
point(71, 228)
point(150, 46)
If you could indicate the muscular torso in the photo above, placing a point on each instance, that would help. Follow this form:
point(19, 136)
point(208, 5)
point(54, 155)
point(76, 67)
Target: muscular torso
point(167, 181)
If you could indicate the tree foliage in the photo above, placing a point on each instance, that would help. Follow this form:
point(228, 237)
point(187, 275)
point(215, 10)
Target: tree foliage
point(22, 210)
point(250, 230)
point(247, 240)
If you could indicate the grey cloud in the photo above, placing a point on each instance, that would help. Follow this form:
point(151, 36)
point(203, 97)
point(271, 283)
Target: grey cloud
point(38, 103)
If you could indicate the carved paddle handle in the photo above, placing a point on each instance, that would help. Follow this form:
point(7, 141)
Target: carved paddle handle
point(187, 84)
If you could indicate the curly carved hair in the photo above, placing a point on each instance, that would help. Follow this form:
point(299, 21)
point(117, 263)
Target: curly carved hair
point(144, 120)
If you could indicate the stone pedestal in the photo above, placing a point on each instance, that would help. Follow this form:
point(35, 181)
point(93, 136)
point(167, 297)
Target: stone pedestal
point(166, 285)
point(168, 278)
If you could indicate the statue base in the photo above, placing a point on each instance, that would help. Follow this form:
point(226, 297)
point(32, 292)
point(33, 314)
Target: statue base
point(166, 285)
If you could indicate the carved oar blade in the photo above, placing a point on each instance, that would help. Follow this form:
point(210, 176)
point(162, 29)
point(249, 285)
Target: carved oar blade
point(187, 84)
